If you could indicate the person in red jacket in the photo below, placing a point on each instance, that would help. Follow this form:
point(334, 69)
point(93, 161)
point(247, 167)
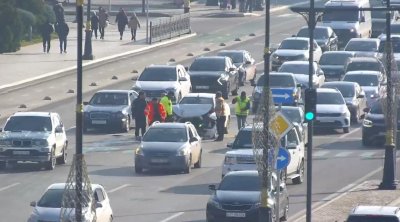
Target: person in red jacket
point(155, 112)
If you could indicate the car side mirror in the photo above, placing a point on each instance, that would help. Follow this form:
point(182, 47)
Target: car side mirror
point(99, 205)
point(248, 62)
point(229, 145)
point(85, 103)
point(366, 109)
point(186, 68)
point(59, 129)
point(212, 187)
point(33, 204)
point(193, 139)
point(183, 78)
point(231, 69)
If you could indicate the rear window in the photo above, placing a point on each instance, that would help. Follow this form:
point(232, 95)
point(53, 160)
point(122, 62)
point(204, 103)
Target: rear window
point(372, 218)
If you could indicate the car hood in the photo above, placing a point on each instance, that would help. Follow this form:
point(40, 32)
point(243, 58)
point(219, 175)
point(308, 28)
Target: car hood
point(326, 108)
point(162, 146)
point(327, 68)
point(290, 52)
point(370, 89)
point(237, 197)
point(206, 73)
point(241, 152)
point(25, 135)
point(191, 110)
point(111, 109)
point(341, 25)
point(47, 214)
point(366, 54)
point(156, 85)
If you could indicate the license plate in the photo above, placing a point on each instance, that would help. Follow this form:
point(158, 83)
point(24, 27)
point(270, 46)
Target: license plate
point(202, 87)
point(99, 122)
point(21, 152)
point(159, 160)
point(235, 214)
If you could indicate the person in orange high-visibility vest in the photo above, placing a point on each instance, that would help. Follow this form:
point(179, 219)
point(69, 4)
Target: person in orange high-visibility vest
point(155, 111)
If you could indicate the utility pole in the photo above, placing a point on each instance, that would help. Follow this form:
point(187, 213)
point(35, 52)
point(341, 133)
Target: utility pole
point(88, 37)
point(79, 112)
point(147, 21)
point(143, 6)
point(389, 168)
point(265, 212)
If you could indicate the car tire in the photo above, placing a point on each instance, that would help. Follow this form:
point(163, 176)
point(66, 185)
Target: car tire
point(138, 169)
point(127, 125)
point(188, 168)
point(300, 171)
point(346, 129)
point(286, 212)
point(63, 158)
point(50, 165)
point(365, 141)
point(198, 164)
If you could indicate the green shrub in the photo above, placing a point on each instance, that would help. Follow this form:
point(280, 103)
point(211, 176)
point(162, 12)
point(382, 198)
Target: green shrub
point(10, 27)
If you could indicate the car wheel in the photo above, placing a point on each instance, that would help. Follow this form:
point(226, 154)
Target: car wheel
point(138, 169)
point(225, 94)
point(286, 212)
point(50, 165)
point(300, 171)
point(127, 125)
point(346, 129)
point(365, 141)
point(63, 158)
point(188, 168)
point(198, 164)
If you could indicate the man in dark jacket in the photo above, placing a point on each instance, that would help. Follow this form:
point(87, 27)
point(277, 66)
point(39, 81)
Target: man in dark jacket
point(62, 30)
point(94, 20)
point(122, 21)
point(46, 31)
point(138, 107)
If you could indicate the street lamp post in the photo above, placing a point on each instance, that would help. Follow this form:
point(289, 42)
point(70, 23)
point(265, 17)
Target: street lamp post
point(88, 37)
point(147, 21)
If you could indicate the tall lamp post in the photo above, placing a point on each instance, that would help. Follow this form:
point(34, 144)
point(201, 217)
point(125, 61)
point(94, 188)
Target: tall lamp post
point(88, 37)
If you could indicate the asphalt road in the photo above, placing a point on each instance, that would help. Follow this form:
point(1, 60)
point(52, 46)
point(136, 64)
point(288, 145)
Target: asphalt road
point(339, 159)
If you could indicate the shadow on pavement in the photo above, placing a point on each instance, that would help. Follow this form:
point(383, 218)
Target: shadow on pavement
point(348, 145)
point(220, 151)
point(27, 168)
point(129, 172)
point(196, 189)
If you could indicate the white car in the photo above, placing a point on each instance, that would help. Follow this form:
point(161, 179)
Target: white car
point(332, 111)
point(363, 47)
point(241, 157)
point(301, 73)
point(158, 79)
point(48, 208)
point(35, 137)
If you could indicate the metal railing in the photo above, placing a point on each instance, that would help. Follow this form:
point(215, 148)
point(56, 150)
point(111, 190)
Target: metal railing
point(167, 28)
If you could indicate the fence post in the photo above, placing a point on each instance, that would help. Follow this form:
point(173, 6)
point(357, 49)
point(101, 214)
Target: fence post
point(151, 32)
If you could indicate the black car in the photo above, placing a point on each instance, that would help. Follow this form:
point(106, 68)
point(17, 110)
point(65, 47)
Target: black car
point(214, 73)
point(323, 35)
point(237, 198)
point(332, 63)
point(109, 109)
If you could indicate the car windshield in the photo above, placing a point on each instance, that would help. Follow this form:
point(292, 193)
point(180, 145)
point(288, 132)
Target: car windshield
point(277, 81)
point(28, 123)
point(372, 218)
point(376, 108)
point(294, 44)
point(364, 46)
point(334, 59)
point(371, 66)
point(212, 64)
point(346, 90)
point(240, 183)
point(362, 80)
point(52, 198)
point(237, 57)
point(109, 99)
point(319, 33)
point(292, 114)
point(171, 135)
point(337, 15)
point(295, 68)
point(159, 74)
point(329, 98)
point(395, 45)
point(243, 140)
point(196, 100)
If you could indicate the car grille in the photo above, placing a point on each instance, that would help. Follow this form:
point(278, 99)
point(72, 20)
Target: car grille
point(210, 81)
point(158, 153)
point(239, 207)
point(22, 143)
point(328, 114)
point(288, 58)
point(99, 115)
point(245, 160)
point(154, 93)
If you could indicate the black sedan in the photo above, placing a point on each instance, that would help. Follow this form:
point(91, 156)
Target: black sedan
point(237, 198)
point(109, 109)
point(324, 36)
point(214, 73)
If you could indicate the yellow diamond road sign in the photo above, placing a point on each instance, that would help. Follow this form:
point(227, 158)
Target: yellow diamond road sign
point(280, 125)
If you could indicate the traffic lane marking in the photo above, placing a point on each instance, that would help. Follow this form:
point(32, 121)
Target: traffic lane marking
point(9, 186)
point(173, 217)
point(118, 188)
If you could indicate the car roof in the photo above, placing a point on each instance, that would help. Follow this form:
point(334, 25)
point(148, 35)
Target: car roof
point(298, 63)
point(210, 57)
point(243, 173)
point(339, 53)
point(281, 74)
point(297, 38)
point(114, 91)
point(339, 83)
point(159, 66)
point(364, 59)
point(204, 95)
point(364, 40)
point(327, 90)
point(382, 37)
point(57, 186)
point(42, 114)
point(363, 72)
point(375, 210)
point(169, 125)
point(231, 51)
point(316, 27)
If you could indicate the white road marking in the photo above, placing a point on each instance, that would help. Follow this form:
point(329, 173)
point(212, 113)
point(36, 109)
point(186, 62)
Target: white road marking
point(172, 217)
point(9, 186)
point(367, 154)
point(320, 153)
point(118, 188)
point(343, 154)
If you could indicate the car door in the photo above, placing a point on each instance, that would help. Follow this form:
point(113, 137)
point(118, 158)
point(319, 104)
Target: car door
point(185, 85)
point(293, 146)
point(361, 98)
point(233, 77)
point(59, 136)
point(101, 212)
point(250, 66)
point(194, 146)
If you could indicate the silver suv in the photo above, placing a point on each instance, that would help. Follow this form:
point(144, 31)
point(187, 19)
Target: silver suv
point(35, 137)
point(374, 214)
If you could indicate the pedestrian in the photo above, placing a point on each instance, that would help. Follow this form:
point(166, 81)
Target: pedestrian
point(138, 109)
point(46, 30)
point(242, 4)
point(186, 6)
point(221, 115)
point(242, 108)
point(122, 21)
point(233, 4)
point(249, 6)
point(166, 101)
point(154, 112)
point(94, 20)
point(134, 24)
point(62, 31)
point(59, 12)
point(103, 21)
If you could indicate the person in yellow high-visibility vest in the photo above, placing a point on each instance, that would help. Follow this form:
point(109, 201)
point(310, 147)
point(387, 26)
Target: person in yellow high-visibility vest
point(241, 109)
point(166, 101)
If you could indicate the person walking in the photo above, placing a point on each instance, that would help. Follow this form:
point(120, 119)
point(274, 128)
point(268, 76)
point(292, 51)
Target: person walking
point(94, 20)
point(242, 4)
point(62, 31)
point(186, 6)
point(138, 108)
point(133, 25)
point(221, 115)
point(103, 21)
point(154, 111)
point(249, 6)
point(242, 108)
point(166, 101)
point(46, 30)
point(122, 21)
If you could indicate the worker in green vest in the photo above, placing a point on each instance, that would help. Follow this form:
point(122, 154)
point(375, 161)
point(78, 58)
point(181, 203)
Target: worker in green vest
point(166, 101)
point(241, 109)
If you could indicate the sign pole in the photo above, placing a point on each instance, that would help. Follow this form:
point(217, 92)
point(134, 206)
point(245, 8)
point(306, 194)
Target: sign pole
point(278, 191)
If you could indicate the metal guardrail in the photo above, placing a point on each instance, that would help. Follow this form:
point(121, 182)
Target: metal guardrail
point(167, 28)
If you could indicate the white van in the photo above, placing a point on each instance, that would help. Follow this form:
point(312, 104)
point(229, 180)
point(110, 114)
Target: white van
point(348, 24)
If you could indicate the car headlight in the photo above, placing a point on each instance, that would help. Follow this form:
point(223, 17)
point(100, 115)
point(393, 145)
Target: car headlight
point(223, 78)
point(367, 123)
point(139, 151)
point(215, 203)
point(183, 152)
point(275, 56)
point(40, 143)
point(230, 160)
point(352, 30)
point(345, 113)
point(5, 142)
point(118, 115)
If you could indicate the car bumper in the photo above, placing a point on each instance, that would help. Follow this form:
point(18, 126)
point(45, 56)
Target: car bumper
point(237, 167)
point(374, 133)
point(155, 162)
point(332, 122)
point(208, 88)
point(214, 214)
point(29, 155)
point(105, 123)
